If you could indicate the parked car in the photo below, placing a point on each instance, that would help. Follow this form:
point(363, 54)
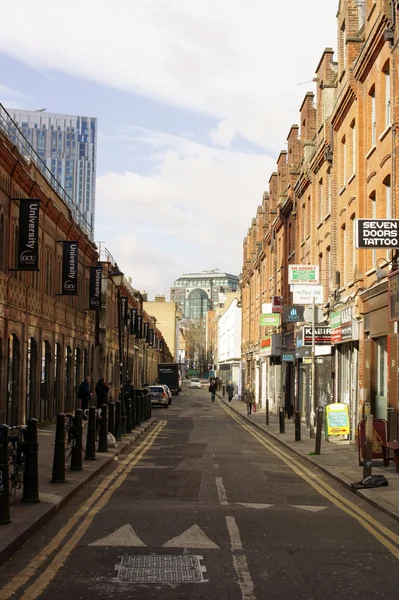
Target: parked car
point(195, 383)
point(159, 395)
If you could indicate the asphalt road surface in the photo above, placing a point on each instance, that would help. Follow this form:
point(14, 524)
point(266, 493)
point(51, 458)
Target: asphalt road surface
point(207, 507)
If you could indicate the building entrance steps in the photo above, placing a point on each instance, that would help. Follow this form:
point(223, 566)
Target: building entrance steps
point(338, 459)
point(27, 518)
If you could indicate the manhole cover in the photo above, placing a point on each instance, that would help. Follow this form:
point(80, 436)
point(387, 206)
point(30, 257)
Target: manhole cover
point(160, 569)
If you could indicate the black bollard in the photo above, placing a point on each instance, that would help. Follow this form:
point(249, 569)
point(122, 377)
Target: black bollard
point(297, 422)
point(103, 441)
point(224, 390)
point(90, 453)
point(138, 408)
point(267, 411)
point(123, 413)
point(118, 430)
point(129, 416)
point(149, 405)
point(31, 473)
point(58, 475)
point(76, 454)
point(319, 427)
point(111, 418)
point(4, 477)
point(281, 419)
point(134, 408)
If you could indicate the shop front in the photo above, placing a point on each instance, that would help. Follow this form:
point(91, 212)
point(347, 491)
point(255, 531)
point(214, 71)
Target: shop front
point(345, 339)
point(270, 354)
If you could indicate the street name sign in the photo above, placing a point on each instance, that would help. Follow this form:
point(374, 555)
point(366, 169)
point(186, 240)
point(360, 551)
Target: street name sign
point(377, 233)
point(303, 274)
point(304, 294)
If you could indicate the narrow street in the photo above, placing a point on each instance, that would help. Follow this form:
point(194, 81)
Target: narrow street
point(205, 506)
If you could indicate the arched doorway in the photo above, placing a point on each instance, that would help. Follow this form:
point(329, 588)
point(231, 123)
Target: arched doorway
point(31, 379)
point(45, 382)
point(13, 379)
point(77, 373)
point(68, 404)
point(57, 379)
point(85, 363)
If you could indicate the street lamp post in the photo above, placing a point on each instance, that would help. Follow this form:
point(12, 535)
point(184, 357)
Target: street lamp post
point(117, 279)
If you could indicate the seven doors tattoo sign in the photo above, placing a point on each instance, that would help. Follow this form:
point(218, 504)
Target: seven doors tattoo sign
point(377, 233)
point(28, 237)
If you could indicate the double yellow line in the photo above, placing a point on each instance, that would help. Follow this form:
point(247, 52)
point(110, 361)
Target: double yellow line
point(86, 513)
point(381, 533)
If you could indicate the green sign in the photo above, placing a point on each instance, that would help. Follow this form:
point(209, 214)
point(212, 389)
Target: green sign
point(303, 274)
point(270, 320)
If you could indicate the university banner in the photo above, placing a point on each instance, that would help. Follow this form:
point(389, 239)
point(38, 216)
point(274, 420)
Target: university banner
point(150, 336)
point(95, 288)
point(124, 310)
point(69, 286)
point(133, 321)
point(139, 327)
point(28, 236)
point(145, 331)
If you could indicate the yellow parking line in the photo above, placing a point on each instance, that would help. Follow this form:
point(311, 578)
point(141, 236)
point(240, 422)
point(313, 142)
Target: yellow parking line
point(29, 571)
point(367, 521)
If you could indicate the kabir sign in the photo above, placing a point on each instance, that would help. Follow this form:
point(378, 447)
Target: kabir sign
point(322, 335)
point(377, 233)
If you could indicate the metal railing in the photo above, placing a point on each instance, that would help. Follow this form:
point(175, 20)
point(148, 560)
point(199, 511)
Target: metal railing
point(15, 135)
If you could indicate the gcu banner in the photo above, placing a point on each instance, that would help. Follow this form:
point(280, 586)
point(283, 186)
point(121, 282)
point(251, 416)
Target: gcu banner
point(69, 268)
point(95, 288)
point(133, 321)
point(28, 240)
point(124, 310)
point(140, 327)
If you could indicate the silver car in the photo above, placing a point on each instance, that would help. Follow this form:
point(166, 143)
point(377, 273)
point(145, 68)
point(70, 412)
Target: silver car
point(158, 395)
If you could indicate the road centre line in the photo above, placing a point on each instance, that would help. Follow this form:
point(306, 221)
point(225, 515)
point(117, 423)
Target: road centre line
point(240, 561)
point(221, 491)
point(29, 571)
point(324, 489)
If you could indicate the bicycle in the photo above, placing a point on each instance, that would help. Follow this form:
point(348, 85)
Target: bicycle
point(17, 458)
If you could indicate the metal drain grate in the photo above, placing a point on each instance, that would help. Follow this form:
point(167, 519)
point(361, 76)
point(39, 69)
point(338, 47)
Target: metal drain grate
point(160, 569)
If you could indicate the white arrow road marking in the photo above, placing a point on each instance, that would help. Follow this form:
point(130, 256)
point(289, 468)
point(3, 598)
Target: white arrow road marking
point(193, 537)
point(124, 536)
point(254, 505)
point(221, 491)
point(309, 508)
point(240, 561)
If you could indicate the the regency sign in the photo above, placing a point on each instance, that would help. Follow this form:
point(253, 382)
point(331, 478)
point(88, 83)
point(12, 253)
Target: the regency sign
point(377, 233)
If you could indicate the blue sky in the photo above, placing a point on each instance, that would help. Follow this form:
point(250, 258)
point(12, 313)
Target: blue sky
point(194, 102)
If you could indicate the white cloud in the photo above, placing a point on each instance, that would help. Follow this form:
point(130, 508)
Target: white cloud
point(10, 96)
point(190, 213)
point(224, 134)
point(240, 62)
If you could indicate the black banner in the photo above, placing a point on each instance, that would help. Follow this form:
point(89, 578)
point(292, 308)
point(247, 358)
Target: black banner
point(69, 286)
point(377, 233)
point(154, 340)
point(145, 331)
point(28, 237)
point(95, 288)
point(140, 327)
point(124, 310)
point(133, 321)
point(150, 336)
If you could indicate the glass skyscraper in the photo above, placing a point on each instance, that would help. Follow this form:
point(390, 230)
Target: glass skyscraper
point(68, 146)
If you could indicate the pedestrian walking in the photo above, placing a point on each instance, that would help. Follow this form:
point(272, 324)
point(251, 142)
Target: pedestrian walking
point(102, 391)
point(230, 390)
point(212, 389)
point(84, 393)
point(249, 399)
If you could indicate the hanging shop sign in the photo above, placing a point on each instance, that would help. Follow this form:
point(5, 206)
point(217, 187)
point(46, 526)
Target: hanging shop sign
point(337, 419)
point(277, 304)
point(267, 307)
point(270, 345)
point(303, 274)
point(344, 328)
point(377, 233)
point(288, 356)
point(322, 335)
point(293, 314)
point(95, 288)
point(28, 235)
point(69, 285)
point(304, 294)
point(393, 296)
point(270, 320)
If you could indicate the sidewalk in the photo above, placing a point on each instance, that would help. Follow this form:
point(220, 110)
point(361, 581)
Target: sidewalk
point(337, 459)
point(26, 519)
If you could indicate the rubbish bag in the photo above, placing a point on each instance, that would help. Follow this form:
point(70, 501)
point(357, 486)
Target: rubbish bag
point(111, 441)
point(373, 481)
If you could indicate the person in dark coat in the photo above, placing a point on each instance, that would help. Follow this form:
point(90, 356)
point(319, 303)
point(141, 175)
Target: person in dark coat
point(230, 390)
point(102, 390)
point(84, 393)
point(212, 389)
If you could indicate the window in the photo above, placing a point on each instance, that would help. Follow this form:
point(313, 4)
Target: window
point(344, 270)
point(353, 227)
point(388, 203)
point(329, 191)
point(303, 222)
point(342, 46)
point(320, 201)
point(387, 77)
point(353, 144)
point(373, 211)
point(343, 161)
point(373, 123)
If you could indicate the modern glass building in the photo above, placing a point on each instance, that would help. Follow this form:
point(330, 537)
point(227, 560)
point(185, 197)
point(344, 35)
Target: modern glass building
point(68, 146)
point(196, 293)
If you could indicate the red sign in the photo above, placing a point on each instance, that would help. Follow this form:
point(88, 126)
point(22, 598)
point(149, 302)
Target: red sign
point(277, 304)
point(380, 436)
point(266, 342)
